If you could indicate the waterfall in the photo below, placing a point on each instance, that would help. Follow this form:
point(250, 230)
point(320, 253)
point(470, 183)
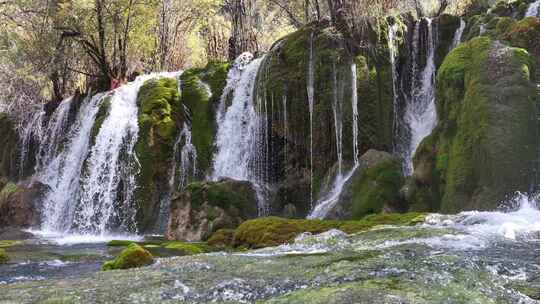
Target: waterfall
point(354, 88)
point(533, 10)
point(420, 114)
point(338, 121)
point(311, 102)
point(188, 158)
point(62, 174)
point(328, 201)
point(53, 135)
point(459, 33)
point(28, 133)
point(91, 187)
point(393, 50)
point(237, 141)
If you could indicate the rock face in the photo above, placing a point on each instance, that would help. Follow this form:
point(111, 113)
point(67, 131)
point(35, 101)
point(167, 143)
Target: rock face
point(373, 188)
point(486, 142)
point(19, 204)
point(160, 119)
point(203, 208)
point(9, 152)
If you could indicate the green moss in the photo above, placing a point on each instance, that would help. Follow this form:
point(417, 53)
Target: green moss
point(202, 103)
point(100, 118)
point(223, 238)
point(273, 231)
point(3, 257)
point(160, 117)
point(9, 243)
point(119, 243)
point(478, 140)
point(188, 248)
point(377, 186)
point(7, 191)
point(132, 257)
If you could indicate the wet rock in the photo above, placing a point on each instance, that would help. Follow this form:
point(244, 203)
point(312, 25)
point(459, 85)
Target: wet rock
point(3, 256)
point(20, 204)
point(132, 257)
point(203, 208)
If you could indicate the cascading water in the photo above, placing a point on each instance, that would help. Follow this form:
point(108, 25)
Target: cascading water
point(91, 187)
point(534, 9)
point(327, 202)
point(338, 122)
point(420, 115)
point(62, 174)
point(311, 102)
point(28, 133)
point(237, 142)
point(459, 33)
point(53, 135)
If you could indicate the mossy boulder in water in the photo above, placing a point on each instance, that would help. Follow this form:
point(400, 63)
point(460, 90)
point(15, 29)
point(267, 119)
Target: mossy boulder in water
point(485, 144)
point(273, 231)
point(132, 257)
point(223, 238)
point(160, 118)
point(206, 207)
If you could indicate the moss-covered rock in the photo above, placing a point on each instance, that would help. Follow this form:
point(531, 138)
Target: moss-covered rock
point(3, 256)
point(485, 144)
point(160, 118)
point(132, 257)
point(282, 96)
point(223, 238)
point(206, 207)
point(201, 92)
point(20, 204)
point(273, 231)
point(373, 188)
point(446, 30)
point(188, 248)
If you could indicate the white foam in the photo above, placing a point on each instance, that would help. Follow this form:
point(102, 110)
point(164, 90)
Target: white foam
point(72, 239)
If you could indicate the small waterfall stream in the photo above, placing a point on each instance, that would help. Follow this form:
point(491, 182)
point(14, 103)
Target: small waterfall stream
point(533, 10)
point(420, 115)
point(459, 33)
point(311, 103)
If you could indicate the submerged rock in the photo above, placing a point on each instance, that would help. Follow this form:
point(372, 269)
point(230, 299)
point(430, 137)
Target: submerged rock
point(131, 257)
point(206, 207)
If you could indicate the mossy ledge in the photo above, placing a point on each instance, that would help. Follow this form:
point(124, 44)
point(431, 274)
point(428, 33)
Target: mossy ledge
point(3, 257)
point(273, 231)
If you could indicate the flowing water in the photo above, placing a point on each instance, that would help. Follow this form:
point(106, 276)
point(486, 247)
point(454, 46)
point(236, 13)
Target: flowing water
point(459, 33)
point(420, 115)
point(237, 140)
point(470, 257)
point(534, 9)
point(311, 103)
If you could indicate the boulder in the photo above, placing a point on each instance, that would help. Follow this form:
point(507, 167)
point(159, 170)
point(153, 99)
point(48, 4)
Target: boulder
point(484, 147)
point(132, 257)
point(205, 207)
point(373, 188)
point(19, 204)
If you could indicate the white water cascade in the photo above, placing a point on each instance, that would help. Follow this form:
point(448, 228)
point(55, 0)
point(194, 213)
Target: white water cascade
point(459, 33)
point(420, 115)
point(238, 126)
point(91, 187)
point(29, 132)
point(63, 173)
point(533, 10)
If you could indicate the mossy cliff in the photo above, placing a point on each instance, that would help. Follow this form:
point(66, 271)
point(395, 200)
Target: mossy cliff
point(282, 96)
point(206, 207)
point(486, 141)
point(160, 118)
point(201, 92)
